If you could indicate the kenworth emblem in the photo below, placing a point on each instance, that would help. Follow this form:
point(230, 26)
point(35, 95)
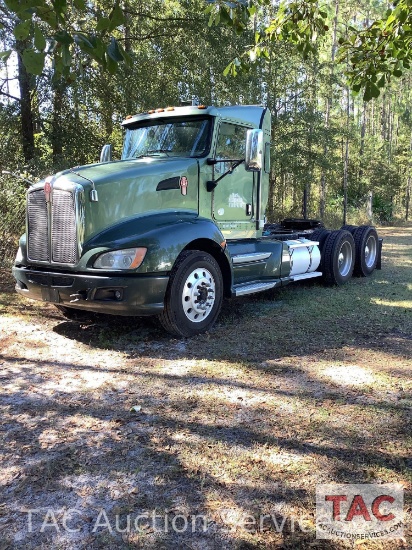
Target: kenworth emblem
point(183, 185)
point(48, 189)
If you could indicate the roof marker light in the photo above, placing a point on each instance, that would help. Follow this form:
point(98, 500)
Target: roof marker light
point(202, 106)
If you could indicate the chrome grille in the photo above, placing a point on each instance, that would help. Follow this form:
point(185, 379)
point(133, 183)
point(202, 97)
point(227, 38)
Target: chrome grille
point(64, 234)
point(55, 225)
point(38, 227)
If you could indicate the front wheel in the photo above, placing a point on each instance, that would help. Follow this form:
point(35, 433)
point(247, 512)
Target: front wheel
point(194, 294)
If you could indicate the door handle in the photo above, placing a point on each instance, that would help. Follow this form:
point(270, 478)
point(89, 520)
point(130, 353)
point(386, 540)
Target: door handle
point(248, 210)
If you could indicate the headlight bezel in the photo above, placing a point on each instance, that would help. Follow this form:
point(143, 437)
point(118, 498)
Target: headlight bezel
point(19, 259)
point(124, 259)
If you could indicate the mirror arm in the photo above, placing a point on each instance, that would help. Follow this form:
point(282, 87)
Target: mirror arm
point(211, 184)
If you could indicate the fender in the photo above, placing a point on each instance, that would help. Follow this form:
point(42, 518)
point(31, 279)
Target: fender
point(164, 234)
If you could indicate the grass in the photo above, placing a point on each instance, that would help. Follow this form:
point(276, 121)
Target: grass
point(291, 388)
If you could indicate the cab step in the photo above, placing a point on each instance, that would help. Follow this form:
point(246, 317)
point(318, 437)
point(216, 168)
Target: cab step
point(252, 288)
point(303, 276)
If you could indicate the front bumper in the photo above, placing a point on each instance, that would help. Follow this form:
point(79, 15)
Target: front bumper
point(113, 294)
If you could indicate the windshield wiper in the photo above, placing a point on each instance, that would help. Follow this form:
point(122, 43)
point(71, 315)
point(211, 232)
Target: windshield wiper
point(145, 155)
point(166, 151)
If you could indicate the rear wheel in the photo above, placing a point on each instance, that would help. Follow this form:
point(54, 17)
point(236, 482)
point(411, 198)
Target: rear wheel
point(320, 235)
point(338, 257)
point(367, 246)
point(194, 294)
point(350, 228)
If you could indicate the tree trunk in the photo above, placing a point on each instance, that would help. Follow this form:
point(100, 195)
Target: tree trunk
point(127, 24)
point(346, 159)
point(362, 140)
point(369, 211)
point(26, 111)
point(383, 117)
point(57, 138)
point(409, 184)
point(322, 200)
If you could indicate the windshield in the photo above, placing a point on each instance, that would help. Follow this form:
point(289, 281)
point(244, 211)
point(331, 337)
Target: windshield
point(174, 138)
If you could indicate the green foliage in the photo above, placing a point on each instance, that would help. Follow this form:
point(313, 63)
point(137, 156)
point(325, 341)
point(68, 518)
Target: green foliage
point(77, 107)
point(34, 61)
point(300, 23)
point(381, 51)
point(53, 29)
point(12, 216)
point(377, 53)
point(4, 56)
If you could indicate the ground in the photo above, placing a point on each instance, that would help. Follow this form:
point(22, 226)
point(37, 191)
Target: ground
point(214, 442)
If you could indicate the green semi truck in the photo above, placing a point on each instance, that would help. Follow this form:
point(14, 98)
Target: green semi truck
point(176, 225)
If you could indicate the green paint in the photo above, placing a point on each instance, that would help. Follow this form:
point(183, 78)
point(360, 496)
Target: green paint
point(132, 211)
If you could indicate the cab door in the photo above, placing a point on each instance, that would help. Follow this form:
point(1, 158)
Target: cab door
point(233, 196)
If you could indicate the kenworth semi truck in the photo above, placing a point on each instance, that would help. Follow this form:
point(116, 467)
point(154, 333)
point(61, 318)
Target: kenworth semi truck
point(176, 225)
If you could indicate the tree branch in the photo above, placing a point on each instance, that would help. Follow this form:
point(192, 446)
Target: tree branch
point(7, 18)
point(10, 96)
point(146, 37)
point(161, 19)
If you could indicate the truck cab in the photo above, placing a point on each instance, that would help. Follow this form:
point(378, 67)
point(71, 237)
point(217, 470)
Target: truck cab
point(174, 226)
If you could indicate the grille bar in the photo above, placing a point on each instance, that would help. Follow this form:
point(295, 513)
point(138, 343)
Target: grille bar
point(64, 235)
point(55, 225)
point(38, 227)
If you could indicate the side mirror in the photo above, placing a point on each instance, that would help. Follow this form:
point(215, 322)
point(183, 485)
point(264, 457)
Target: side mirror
point(254, 150)
point(106, 154)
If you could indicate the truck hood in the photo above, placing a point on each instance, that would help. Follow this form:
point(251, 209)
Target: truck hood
point(107, 173)
point(130, 188)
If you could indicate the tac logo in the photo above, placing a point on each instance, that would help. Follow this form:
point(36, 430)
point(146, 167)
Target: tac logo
point(359, 511)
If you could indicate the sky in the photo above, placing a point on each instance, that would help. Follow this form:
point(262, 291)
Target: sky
point(9, 70)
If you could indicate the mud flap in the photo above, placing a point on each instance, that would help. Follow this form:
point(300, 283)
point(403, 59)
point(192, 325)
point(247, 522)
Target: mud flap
point(379, 261)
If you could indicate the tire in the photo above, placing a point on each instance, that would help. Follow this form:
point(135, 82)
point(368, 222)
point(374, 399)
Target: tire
point(350, 228)
point(320, 235)
point(338, 257)
point(74, 314)
point(367, 250)
point(187, 313)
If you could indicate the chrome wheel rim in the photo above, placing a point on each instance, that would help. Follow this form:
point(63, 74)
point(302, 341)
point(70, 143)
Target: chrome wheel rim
point(345, 257)
point(198, 295)
point(370, 251)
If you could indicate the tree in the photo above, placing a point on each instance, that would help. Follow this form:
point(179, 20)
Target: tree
point(380, 51)
point(325, 140)
point(61, 31)
point(376, 53)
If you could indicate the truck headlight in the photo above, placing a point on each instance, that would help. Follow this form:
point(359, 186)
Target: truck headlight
point(129, 258)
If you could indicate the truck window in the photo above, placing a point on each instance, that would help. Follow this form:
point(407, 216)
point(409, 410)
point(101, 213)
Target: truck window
point(181, 138)
point(231, 141)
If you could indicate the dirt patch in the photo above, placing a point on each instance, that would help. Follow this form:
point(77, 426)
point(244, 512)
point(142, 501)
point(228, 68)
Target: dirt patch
point(115, 435)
